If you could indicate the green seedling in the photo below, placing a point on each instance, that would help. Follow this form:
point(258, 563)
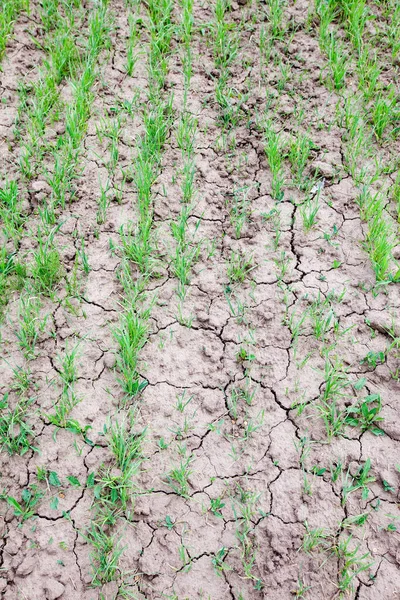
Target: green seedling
point(106, 552)
point(131, 53)
point(16, 434)
point(298, 155)
point(359, 481)
point(125, 445)
point(275, 15)
point(365, 414)
point(316, 539)
point(239, 267)
point(30, 324)
point(384, 113)
point(240, 209)
point(24, 509)
point(216, 506)
point(338, 62)
point(373, 359)
point(309, 210)
point(10, 212)
point(218, 561)
point(351, 564)
point(275, 155)
point(178, 477)
point(46, 268)
point(182, 401)
point(12, 276)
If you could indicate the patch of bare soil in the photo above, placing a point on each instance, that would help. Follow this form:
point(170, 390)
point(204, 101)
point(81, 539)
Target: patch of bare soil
point(258, 455)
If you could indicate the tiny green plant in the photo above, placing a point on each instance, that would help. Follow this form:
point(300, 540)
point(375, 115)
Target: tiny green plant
point(25, 509)
point(359, 481)
point(16, 433)
point(46, 268)
point(365, 414)
point(178, 477)
point(239, 266)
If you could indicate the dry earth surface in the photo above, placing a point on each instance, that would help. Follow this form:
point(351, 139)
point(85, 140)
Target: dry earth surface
point(200, 330)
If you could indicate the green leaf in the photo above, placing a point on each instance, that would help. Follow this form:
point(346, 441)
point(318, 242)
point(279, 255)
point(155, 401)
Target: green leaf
point(169, 523)
point(26, 495)
point(372, 398)
point(54, 503)
point(353, 422)
point(377, 431)
point(360, 383)
point(15, 504)
point(90, 480)
point(53, 479)
point(74, 480)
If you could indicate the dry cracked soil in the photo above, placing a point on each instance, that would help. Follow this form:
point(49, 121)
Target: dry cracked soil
point(255, 478)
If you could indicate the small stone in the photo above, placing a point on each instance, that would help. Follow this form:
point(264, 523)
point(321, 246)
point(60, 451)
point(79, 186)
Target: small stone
point(109, 360)
point(110, 590)
point(324, 169)
point(27, 566)
point(203, 317)
point(382, 322)
point(40, 186)
point(54, 589)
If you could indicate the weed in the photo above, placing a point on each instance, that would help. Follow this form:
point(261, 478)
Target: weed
point(275, 156)
point(338, 62)
point(46, 268)
point(219, 563)
point(359, 481)
point(30, 497)
point(216, 506)
point(240, 210)
point(239, 267)
point(373, 359)
point(178, 477)
point(365, 414)
point(309, 210)
point(30, 324)
point(16, 433)
point(105, 555)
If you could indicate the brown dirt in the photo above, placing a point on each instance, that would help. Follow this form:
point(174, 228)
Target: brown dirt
point(46, 557)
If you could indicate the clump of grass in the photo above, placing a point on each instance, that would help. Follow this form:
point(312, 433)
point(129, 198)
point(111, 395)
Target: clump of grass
point(31, 325)
point(10, 211)
point(131, 53)
point(46, 268)
point(178, 477)
point(239, 266)
point(9, 12)
point(68, 374)
point(131, 335)
point(338, 62)
point(16, 433)
point(329, 406)
point(12, 276)
point(309, 210)
point(226, 45)
point(240, 209)
point(274, 150)
point(384, 112)
point(341, 548)
point(299, 153)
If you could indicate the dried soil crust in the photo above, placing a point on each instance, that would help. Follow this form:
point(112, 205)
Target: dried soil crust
point(47, 557)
